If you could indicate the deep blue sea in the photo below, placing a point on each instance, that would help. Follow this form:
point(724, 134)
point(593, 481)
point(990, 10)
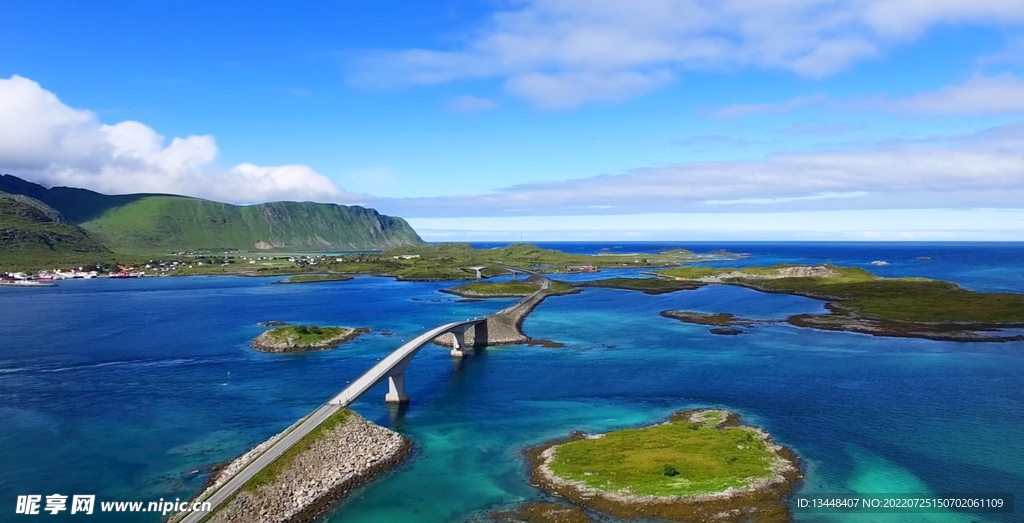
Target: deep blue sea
point(125, 388)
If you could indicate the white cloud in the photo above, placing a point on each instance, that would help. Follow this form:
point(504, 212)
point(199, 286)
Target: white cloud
point(48, 142)
point(980, 170)
point(561, 53)
point(999, 94)
point(470, 105)
point(885, 225)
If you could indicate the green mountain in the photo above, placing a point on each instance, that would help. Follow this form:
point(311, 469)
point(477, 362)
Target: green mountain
point(145, 223)
point(30, 228)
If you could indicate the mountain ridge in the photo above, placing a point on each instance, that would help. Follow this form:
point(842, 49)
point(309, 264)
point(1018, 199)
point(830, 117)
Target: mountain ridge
point(137, 223)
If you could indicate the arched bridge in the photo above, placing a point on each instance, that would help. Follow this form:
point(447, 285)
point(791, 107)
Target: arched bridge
point(392, 367)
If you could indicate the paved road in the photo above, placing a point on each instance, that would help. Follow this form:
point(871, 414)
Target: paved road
point(376, 373)
point(384, 366)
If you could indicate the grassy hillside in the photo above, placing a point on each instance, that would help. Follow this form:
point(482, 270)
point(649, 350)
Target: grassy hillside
point(180, 223)
point(150, 223)
point(31, 229)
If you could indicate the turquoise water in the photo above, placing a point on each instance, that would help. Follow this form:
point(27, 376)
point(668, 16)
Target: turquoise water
point(122, 388)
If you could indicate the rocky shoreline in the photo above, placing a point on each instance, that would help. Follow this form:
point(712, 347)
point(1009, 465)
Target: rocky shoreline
point(340, 460)
point(266, 342)
point(759, 502)
point(840, 319)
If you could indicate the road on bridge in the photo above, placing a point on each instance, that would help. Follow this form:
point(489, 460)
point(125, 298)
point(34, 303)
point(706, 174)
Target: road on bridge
point(373, 376)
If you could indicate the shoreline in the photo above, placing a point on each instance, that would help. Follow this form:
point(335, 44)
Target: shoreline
point(763, 501)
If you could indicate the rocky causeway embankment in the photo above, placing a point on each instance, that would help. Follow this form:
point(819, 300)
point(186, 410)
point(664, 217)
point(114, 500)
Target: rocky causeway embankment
point(339, 460)
point(501, 328)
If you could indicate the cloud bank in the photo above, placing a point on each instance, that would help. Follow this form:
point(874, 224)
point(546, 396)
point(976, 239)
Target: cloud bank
point(561, 53)
point(998, 94)
point(48, 142)
point(981, 170)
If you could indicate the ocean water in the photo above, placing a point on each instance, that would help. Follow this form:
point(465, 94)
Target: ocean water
point(125, 388)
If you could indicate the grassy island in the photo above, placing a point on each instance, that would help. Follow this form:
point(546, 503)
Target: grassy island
point(315, 278)
point(645, 285)
point(508, 289)
point(700, 465)
point(299, 338)
point(862, 302)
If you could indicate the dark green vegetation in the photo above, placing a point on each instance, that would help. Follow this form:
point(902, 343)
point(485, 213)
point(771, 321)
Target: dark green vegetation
point(907, 299)
point(680, 458)
point(510, 288)
point(717, 320)
point(153, 223)
point(306, 334)
point(29, 229)
point(647, 285)
point(856, 291)
point(452, 261)
point(862, 302)
point(300, 338)
point(315, 278)
point(272, 471)
point(541, 512)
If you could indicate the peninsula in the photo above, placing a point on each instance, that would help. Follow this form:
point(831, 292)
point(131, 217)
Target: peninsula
point(302, 338)
point(702, 465)
point(314, 278)
point(859, 301)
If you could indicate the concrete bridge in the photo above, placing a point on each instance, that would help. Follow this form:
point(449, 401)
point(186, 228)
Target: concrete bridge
point(516, 271)
point(392, 368)
point(499, 328)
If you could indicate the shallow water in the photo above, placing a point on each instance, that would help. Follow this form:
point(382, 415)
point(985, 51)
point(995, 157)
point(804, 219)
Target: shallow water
point(121, 388)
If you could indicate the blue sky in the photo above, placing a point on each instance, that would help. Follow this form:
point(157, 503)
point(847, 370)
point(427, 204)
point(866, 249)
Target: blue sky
point(559, 119)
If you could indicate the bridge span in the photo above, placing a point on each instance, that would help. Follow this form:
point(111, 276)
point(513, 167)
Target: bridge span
point(391, 367)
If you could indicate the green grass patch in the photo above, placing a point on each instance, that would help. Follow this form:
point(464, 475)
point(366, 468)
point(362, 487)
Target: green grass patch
point(646, 285)
point(450, 261)
point(507, 288)
point(906, 299)
point(679, 458)
point(899, 299)
point(272, 471)
point(315, 278)
point(306, 334)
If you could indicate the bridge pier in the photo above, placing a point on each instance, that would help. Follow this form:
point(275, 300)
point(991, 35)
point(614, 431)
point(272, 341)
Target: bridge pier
point(459, 345)
point(396, 389)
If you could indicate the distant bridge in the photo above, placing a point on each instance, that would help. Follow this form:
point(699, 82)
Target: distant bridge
point(516, 271)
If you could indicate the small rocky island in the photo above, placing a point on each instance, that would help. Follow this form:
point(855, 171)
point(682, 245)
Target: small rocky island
point(303, 338)
point(701, 465)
